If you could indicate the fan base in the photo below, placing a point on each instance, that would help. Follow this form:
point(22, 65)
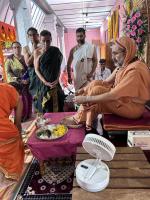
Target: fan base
point(92, 176)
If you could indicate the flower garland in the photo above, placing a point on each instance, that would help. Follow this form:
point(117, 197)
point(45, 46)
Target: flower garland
point(137, 28)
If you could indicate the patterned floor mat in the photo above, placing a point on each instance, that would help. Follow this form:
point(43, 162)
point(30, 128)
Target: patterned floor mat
point(55, 184)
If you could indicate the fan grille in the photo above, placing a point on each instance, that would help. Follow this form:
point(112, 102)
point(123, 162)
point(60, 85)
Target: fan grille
point(99, 147)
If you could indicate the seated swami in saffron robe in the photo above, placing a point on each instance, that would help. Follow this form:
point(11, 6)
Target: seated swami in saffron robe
point(124, 93)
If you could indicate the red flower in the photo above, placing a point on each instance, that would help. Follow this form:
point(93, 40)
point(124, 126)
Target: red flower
point(139, 40)
point(133, 19)
point(140, 31)
point(137, 14)
point(133, 33)
point(140, 22)
point(134, 27)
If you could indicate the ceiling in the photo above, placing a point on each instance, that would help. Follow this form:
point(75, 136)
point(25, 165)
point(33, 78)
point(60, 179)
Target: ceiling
point(78, 13)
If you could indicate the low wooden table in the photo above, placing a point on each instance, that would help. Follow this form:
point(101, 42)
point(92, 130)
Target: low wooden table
point(130, 177)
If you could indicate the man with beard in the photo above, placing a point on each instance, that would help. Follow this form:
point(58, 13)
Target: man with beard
point(124, 93)
point(83, 57)
point(47, 61)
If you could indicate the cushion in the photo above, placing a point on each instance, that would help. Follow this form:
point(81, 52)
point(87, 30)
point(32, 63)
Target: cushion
point(114, 122)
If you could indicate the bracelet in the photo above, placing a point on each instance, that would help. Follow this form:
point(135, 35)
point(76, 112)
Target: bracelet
point(88, 99)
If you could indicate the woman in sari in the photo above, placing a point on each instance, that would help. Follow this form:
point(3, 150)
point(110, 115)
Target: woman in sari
point(124, 93)
point(11, 145)
point(16, 71)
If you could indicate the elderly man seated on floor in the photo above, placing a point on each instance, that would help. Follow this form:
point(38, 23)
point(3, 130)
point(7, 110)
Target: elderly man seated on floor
point(124, 93)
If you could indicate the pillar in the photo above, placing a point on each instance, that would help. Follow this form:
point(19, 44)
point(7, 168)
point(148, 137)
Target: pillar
point(60, 33)
point(50, 23)
point(22, 17)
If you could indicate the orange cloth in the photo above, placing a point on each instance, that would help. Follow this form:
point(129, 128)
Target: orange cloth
point(64, 78)
point(131, 87)
point(130, 46)
point(133, 81)
point(11, 145)
point(123, 107)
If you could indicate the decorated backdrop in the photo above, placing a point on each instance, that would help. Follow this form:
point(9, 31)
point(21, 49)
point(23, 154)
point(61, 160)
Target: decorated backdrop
point(7, 36)
point(136, 25)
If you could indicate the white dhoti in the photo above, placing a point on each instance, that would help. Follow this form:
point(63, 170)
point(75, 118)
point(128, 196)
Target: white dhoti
point(82, 64)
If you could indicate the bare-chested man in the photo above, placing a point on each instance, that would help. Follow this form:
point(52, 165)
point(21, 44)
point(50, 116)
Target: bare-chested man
point(83, 57)
point(47, 62)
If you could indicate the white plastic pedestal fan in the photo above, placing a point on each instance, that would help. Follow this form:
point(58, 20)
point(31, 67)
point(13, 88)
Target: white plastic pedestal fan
point(93, 174)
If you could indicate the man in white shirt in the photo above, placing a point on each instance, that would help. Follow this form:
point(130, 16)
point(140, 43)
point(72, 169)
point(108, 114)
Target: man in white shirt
point(102, 72)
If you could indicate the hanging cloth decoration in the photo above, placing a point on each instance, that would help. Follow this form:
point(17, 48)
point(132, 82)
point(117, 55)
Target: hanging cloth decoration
point(113, 25)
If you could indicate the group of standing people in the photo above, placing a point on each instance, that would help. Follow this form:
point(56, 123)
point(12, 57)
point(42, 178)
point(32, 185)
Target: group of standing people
point(35, 73)
point(35, 70)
